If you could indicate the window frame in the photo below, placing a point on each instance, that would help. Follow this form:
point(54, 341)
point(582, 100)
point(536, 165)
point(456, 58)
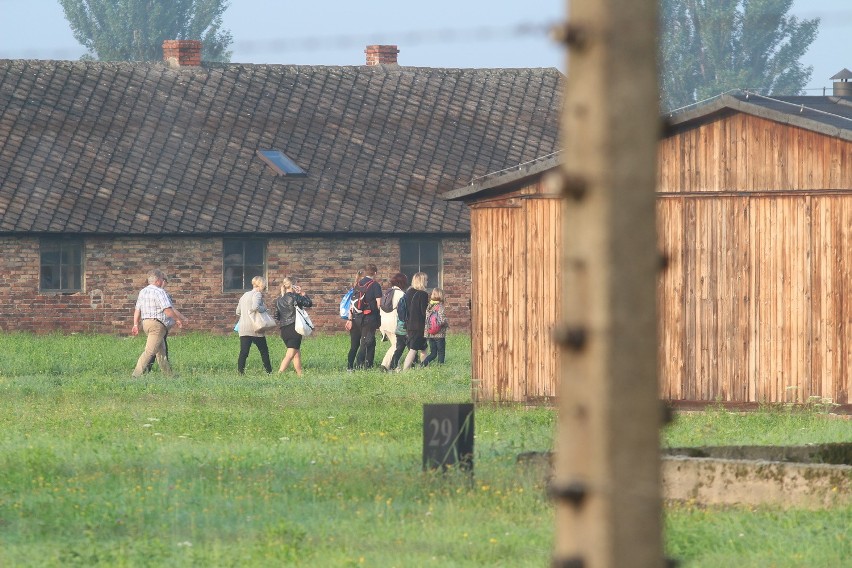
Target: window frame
point(439, 266)
point(281, 163)
point(243, 265)
point(76, 247)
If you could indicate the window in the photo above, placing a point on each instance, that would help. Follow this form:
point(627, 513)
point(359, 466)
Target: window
point(61, 265)
point(281, 163)
point(242, 260)
point(421, 256)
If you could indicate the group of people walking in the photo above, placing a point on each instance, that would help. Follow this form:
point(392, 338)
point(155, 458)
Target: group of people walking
point(406, 321)
point(285, 315)
point(403, 328)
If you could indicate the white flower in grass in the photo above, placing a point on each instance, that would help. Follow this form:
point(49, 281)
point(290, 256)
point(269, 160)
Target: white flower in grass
point(185, 543)
point(146, 425)
point(284, 439)
point(157, 434)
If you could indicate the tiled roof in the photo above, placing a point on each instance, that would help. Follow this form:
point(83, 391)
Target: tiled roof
point(142, 148)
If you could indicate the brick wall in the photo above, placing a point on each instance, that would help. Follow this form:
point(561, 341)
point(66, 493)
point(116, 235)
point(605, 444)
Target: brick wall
point(456, 282)
point(115, 270)
point(182, 52)
point(381, 54)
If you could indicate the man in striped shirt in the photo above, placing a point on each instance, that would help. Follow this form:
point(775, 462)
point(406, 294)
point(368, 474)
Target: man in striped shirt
point(154, 310)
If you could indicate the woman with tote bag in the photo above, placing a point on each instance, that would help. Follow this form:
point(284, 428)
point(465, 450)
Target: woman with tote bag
point(252, 329)
point(286, 306)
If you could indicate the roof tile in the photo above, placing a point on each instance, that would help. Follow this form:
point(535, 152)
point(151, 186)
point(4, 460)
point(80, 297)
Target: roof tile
point(140, 148)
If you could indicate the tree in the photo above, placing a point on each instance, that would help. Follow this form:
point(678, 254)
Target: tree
point(134, 30)
point(708, 47)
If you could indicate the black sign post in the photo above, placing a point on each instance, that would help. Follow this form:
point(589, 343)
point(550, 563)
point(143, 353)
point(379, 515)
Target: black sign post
point(448, 436)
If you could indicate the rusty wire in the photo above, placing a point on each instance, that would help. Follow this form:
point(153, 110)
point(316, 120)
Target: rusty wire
point(480, 34)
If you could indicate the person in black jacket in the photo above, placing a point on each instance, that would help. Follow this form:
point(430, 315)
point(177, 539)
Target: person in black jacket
point(364, 319)
point(417, 299)
point(285, 314)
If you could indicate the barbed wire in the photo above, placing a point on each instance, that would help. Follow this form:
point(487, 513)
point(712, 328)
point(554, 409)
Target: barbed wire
point(829, 18)
point(481, 34)
point(406, 38)
point(412, 38)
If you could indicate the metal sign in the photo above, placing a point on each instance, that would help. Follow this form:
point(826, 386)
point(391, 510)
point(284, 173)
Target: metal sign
point(448, 436)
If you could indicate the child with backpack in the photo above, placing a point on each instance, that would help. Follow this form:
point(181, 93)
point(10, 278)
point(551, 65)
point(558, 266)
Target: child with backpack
point(435, 329)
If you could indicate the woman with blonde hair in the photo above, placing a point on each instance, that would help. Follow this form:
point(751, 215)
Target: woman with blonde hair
point(285, 314)
point(252, 301)
point(417, 299)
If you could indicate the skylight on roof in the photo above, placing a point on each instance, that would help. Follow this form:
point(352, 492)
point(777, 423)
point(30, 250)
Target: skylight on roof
point(283, 165)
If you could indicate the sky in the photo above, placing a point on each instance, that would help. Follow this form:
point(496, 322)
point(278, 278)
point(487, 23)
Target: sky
point(437, 33)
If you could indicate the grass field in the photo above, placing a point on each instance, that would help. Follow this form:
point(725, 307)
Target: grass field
point(214, 469)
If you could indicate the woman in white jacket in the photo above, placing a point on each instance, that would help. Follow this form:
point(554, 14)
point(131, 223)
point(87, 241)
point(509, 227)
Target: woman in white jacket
point(388, 328)
point(252, 301)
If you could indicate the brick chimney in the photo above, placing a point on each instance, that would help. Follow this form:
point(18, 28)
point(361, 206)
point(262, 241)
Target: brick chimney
point(381, 54)
point(182, 52)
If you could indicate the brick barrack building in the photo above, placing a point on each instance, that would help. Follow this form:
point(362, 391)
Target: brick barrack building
point(218, 172)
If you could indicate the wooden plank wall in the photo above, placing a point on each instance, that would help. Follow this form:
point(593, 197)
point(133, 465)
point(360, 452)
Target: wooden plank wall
point(756, 303)
point(515, 255)
point(670, 300)
point(740, 152)
point(494, 271)
point(832, 299)
point(542, 258)
point(781, 290)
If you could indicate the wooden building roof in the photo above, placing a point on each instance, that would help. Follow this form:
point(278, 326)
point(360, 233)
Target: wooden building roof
point(827, 115)
point(505, 180)
point(148, 149)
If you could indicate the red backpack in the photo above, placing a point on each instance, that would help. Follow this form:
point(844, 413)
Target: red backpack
point(433, 323)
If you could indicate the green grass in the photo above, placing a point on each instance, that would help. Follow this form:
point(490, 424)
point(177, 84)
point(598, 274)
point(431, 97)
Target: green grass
point(758, 538)
point(775, 426)
point(215, 469)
